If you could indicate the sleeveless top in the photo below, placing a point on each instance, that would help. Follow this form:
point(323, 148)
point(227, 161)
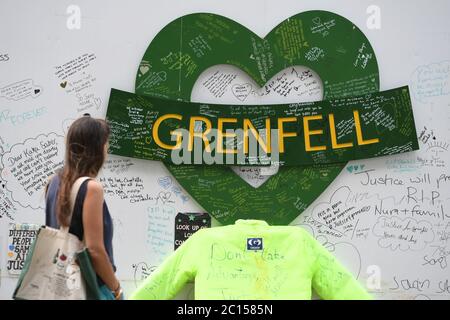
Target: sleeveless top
point(76, 226)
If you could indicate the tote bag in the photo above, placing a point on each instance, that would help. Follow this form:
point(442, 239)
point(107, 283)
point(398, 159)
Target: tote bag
point(58, 266)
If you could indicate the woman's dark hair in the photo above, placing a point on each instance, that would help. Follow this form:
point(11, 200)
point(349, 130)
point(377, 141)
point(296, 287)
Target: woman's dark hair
point(85, 143)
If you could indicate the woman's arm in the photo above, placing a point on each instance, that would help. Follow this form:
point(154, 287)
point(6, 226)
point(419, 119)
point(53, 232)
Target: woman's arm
point(93, 234)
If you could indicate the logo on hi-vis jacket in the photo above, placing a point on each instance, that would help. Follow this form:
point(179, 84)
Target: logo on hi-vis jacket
point(254, 244)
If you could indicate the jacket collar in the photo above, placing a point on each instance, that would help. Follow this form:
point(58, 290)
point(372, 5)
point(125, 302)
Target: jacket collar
point(250, 222)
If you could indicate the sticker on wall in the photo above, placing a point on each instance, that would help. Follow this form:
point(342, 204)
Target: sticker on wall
point(187, 223)
point(20, 239)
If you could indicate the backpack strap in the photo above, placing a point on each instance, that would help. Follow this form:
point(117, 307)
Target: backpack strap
point(73, 196)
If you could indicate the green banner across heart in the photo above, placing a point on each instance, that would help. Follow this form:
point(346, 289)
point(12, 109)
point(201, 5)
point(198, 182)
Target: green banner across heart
point(371, 125)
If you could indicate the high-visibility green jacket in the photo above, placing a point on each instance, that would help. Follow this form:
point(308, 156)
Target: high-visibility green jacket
point(252, 260)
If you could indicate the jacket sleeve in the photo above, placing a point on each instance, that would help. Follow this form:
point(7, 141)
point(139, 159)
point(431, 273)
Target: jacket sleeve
point(331, 280)
point(171, 276)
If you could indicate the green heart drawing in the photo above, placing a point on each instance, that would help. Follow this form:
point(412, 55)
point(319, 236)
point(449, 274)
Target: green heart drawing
point(325, 42)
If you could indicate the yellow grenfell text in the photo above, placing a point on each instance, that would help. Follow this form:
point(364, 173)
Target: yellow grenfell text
point(282, 134)
point(247, 126)
point(155, 132)
point(221, 134)
point(203, 134)
point(309, 133)
point(359, 135)
point(334, 143)
point(264, 145)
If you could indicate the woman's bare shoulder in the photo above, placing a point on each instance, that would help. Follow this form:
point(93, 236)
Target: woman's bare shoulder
point(94, 187)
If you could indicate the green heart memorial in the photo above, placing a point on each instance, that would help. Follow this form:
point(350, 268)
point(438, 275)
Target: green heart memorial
point(310, 142)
